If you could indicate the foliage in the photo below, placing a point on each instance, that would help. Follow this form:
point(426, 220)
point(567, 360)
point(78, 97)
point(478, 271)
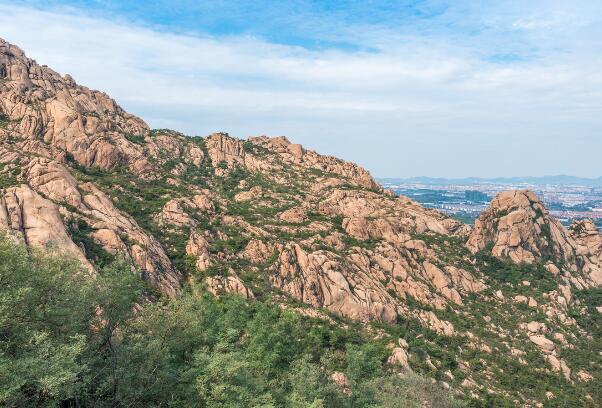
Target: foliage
point(7, 180)
point(508, 272)
point(79, 230)
point(136, 139)
point(4, 120)
point(69, 340)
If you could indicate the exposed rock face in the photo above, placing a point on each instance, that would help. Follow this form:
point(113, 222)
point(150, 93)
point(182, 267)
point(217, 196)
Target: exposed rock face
point(253, 193)
point(223, 148)
point(341, 380)
point(588, 248)
point(144, 250)
point(257, 251)
point(268, 218)
point(218, 285)
point(198, 247)
point(87, 124)
point(53, 121)
point(518, 226)
point(399, 356)
point(36, 221)
point(174, 214)
point(316, 279)
point(293, 153)
point(546, 345)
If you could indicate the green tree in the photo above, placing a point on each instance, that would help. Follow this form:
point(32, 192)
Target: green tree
point(45, 310)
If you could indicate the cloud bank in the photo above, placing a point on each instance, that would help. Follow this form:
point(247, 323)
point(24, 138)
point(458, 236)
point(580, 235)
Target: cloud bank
point(465, 91)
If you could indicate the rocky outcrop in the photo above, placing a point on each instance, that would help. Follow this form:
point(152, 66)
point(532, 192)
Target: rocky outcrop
point(224, 149)
point(399, 356)
point(37, 222)
point(291, 153)
point(257, 251)
point(198, 247)
point(588, 248)
point(250, 195)
point(518, 226)
point(319, 279)
point(219, 285)
point(86, 124)
point(369, 214)
point(370, 284)
point(146, 253)
point(173, 214)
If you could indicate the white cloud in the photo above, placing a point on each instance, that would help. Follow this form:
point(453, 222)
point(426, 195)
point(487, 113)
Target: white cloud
point(372, 107)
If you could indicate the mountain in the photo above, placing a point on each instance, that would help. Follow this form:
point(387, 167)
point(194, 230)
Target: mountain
point(537, 181)
point(502, 313)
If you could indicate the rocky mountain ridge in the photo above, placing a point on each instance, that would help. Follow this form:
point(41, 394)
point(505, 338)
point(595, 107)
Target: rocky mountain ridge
point(267, 218)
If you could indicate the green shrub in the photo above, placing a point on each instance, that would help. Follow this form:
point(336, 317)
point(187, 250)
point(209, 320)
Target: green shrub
point(136, 139)
point(79, 230)
point(4, 120)
point(58, 350)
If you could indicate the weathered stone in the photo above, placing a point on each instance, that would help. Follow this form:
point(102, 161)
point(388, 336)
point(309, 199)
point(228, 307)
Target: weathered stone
point(547, 346)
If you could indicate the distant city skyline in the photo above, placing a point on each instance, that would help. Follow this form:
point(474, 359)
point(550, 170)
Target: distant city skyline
point(537, 180)
point(414, 88)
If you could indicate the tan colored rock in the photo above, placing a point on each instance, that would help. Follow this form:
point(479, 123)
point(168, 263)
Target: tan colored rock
point(295, 215)
point(535, 327)
point(110, 241)
point(589, 248)
point(521, 299)
point(257, 251)
point(516, 223)
point(218, 285)
point(547, 346)
point(469, 383)
point(198, 246)
point(36, 222)
point(553, 269)
point(400, 358)
point(560, 337)
point(75, 119)
point(202, 202)
point(519, 227)
point(223, 148)
point(584, 376)
point(173, 214)
point(341, 380)
point(431, 320)
point(252, 194)
point(308, 159)
point(559, 366)
point(321, 280)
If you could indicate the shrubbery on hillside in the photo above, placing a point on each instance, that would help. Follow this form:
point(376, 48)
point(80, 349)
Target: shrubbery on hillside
point(70, 339)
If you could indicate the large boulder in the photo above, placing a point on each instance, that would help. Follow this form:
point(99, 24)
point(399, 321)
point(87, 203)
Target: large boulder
point(518, 226)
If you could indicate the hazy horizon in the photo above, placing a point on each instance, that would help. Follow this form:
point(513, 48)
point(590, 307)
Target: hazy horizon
point(488, 178)
point(419, 88)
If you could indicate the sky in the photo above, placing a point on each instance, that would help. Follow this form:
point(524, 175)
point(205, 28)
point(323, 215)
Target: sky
point(405, 88)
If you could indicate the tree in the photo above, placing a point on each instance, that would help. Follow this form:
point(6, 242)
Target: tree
point(45, 309)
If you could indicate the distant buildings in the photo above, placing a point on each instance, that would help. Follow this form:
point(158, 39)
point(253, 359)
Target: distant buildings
point(467, 201)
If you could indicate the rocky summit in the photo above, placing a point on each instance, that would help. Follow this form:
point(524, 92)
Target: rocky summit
point(507, 309)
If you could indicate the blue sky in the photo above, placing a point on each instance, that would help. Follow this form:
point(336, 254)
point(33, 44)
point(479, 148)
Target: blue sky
point(405, 88)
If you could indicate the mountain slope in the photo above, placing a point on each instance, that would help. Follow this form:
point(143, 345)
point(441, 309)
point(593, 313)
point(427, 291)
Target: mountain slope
point(272, 221)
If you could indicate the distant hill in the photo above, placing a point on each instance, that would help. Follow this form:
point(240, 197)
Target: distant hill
point(554, 180)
